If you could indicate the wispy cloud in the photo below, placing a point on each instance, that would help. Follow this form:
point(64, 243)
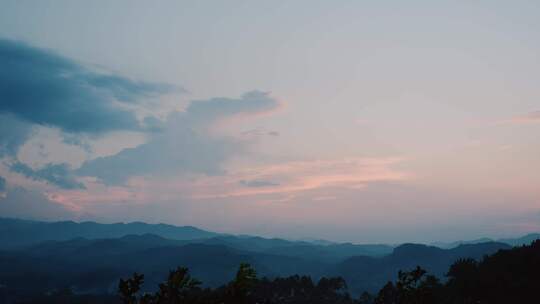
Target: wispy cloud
point(253, 133)
point(529, 118)
point(257, 183)
point(276, 183)
point(301, 176)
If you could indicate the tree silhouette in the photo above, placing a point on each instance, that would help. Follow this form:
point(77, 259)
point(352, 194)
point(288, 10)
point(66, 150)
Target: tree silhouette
point(508, 276)
point(177, 288)
point(244, 281)
point(387, 295)
point(129, 288)
point(412, 287)
point(365, 298)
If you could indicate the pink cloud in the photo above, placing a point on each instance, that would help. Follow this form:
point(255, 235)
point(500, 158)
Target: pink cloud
point(276, 183)
point(529, 118)
point(300, 176)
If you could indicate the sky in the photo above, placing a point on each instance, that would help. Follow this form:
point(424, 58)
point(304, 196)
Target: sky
point(357, 121)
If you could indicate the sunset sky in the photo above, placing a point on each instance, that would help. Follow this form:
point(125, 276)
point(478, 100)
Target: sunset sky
point(360, 121)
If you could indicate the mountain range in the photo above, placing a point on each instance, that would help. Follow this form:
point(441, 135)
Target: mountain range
point(17, 233)
point(90, 257)
point(520, 241)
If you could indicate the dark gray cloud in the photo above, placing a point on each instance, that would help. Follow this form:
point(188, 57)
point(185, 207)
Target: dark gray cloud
point(257, 183)
point(57, 174)
point(13, 133)
point(41, 87)
point(2, 184)
point(183, 146)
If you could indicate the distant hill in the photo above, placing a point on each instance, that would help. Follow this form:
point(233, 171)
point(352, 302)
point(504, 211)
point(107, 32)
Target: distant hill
point(90, 257)
point(16, 232)
point(507, 276)
point(94, 266)
point(369, 273)
point(520, 241)
point(333, 252)
point(525, 240)
point(317, 241)
point(455, 244)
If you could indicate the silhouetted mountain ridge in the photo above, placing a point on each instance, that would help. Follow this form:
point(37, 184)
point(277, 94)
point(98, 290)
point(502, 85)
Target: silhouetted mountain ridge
point(20, 233)
point(94, 265)
point(91, 257)
point(370, 273)
point(16, 233)
point(519, 241)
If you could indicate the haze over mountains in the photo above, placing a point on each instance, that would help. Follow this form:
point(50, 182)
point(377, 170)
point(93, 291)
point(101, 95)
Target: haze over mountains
point(91, 257)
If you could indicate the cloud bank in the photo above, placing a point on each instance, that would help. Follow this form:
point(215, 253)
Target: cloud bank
point(185, 145)
point(57, 174)
point(41, 87)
